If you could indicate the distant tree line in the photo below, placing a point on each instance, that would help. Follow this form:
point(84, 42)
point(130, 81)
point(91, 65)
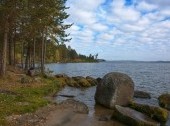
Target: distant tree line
point(26, 26)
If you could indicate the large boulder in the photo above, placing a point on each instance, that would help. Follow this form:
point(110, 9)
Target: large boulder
point(164, 101)
point(132, 117)
point(114, 89)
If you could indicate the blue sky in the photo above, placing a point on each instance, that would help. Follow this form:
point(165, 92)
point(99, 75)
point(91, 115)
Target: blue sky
point(121, 29)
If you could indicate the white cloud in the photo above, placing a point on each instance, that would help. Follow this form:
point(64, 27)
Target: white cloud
point(142, 28)
point(144, 6)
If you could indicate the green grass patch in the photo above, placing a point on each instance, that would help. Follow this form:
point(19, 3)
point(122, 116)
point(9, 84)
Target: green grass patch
point(29, 100)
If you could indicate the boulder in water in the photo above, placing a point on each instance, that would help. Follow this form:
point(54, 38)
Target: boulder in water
point(141, 94)
point(114, 89)
point(164, 101)
point(132, 117)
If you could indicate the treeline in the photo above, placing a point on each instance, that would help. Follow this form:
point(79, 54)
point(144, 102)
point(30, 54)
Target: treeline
point(28, 29)
point(62, 54)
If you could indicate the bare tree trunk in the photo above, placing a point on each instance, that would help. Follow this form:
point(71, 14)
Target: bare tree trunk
point(34, 53)
point(11, 48)
point(22, 55)
point(4, 49)
point(42, 53)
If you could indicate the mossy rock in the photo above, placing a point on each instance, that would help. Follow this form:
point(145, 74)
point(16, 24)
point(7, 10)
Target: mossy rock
point(92, 81)
point(154, 112)
point(82, 82)
point(164, 101)
point(62, 81)
point(132, 117)
point(72, 83)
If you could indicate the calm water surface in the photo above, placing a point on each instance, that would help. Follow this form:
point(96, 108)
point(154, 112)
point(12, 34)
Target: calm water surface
point(147, 76)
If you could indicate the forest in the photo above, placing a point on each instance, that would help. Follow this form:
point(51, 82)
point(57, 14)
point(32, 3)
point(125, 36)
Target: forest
point(33, 32)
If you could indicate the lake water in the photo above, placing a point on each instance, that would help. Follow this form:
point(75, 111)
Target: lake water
point(151, 77)
point(147, 76)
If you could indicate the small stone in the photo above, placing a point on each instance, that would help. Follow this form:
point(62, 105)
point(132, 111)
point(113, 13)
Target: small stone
point(141, 94)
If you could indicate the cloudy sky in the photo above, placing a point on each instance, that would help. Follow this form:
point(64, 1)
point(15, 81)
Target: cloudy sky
point(121, 29)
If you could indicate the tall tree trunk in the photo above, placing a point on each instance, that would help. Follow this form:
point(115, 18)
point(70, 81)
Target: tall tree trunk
point(11, 48)
point(22, 55)
point(4, 49)
point(42, 53)
point(34, 53)
point(27, 63)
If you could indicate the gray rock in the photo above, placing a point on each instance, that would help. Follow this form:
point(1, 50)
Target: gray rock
point(76, 106)
point(141, 94)
point(132, 117)
point(114, 89)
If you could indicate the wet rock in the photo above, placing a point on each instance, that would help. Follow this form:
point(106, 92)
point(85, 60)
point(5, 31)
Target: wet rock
point(132, 117)
point(154, 112)
point(141, 94)
point(92, 81)
point(81, 81)
point(71, 82)
point(115, 89)
point(99, 79)
point(60, 75)
point(76, 106)
point(164, 101)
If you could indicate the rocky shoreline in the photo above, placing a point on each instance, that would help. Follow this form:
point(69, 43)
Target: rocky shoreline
point(117, 87)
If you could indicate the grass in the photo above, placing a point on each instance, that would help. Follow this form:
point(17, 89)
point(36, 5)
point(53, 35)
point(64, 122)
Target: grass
point(30, 98)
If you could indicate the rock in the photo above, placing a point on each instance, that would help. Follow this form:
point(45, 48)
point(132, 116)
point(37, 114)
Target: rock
point(115, 89)
point(81, 81)
point(60, 75)
point(141, 94)
point(164, 101)
point(31, 72)
point(71, 82)
point(92, 81)
point(99, 79)
point(132, 117)
point(76, 106)
point(154, 112)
